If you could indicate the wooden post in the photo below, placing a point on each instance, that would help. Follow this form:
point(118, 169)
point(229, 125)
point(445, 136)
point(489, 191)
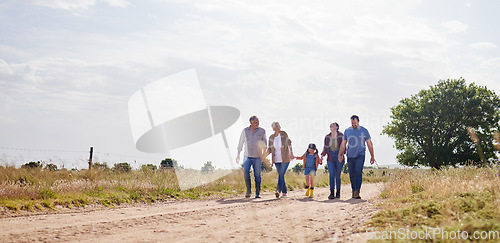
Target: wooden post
point(90, 158)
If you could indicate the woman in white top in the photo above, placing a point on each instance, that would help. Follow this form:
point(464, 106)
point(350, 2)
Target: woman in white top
point(280, 146)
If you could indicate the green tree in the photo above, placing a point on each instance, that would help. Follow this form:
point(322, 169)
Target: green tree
point(122, 167)
point(168, 163)
point(208, 167)
point(297, 168)
point(32, 165)
point(430, 128)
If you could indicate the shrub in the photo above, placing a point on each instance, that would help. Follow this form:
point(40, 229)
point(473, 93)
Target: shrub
point(297, 168)
point(148, 167)
point(266, 165)
point(122, 167)
point(32, 165)
point(101, 166)
point(168, 163)
point(208, 167)
point(51, 167)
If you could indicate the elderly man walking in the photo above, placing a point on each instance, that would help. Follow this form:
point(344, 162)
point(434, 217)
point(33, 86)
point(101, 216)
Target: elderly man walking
point(255, 139)
point(355, 138)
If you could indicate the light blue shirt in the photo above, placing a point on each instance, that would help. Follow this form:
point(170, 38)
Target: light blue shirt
point(356, 141)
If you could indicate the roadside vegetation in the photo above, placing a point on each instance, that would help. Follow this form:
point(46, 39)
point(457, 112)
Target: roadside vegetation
point(451, 199)
point(36, 188)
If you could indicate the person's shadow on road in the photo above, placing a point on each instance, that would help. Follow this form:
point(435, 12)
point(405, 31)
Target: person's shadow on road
point(244, 200)
point(350, 200)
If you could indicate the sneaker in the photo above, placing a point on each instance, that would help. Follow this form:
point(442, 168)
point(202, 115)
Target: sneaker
point(257, 196)
point(284, 195)
point(247, 195)
point(356, 195)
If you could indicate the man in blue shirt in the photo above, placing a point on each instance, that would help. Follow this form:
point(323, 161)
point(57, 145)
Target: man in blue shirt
point(355, 138)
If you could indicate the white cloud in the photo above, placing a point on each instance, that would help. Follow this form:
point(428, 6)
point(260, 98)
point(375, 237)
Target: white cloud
point(63, 4)
point(279, 60)
point(455, 26)
point(78, 4)
point(117, 3)
point(483, 46)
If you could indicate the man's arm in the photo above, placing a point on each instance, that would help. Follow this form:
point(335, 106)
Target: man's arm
point(240, 145)
point(370, 148)
point(342, 150)
point(264, 149)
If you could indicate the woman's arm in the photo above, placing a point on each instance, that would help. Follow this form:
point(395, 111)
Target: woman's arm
point(269, 147)
point(326, 146)
point(318, 161)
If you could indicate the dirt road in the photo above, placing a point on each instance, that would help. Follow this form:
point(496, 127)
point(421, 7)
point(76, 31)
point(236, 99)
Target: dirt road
point(295, 219)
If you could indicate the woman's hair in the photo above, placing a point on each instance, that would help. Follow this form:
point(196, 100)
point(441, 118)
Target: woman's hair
point(336, 124)
point(273, 124)
point(312, 146)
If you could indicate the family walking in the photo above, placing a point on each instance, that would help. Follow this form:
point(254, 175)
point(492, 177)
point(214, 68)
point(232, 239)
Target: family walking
point(353, 141)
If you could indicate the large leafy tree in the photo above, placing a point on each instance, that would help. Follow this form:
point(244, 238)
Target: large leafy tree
point(430, 128)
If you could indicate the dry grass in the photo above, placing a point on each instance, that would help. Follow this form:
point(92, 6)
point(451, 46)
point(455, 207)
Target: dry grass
point(39, 189)
point(466, 199)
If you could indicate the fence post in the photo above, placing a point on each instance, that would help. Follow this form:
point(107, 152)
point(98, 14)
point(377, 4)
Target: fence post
point(90, 158)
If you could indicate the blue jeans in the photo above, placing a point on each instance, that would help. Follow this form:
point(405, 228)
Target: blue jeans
point(334, 170)
point(281, 168)
point(356, 171)
point(256, 164)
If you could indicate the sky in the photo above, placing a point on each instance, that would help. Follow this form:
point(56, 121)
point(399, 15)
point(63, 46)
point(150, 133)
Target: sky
point(69, 68)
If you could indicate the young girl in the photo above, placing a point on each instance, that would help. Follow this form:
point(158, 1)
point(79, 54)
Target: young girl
point(310, 165)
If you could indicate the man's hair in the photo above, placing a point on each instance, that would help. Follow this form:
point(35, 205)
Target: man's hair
point(253, 118)
point(354, 117)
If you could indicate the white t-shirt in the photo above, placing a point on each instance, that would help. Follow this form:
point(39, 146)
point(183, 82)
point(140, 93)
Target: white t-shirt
point(277, 149)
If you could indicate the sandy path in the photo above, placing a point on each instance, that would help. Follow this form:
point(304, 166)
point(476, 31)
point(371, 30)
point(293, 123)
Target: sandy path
point(267, 219)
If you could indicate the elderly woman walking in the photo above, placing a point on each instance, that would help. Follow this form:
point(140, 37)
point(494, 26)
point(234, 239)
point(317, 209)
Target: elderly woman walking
point(280, 147)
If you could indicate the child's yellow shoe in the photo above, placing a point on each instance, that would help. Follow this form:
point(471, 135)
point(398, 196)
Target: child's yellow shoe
point(307, 191)
point(311, 192)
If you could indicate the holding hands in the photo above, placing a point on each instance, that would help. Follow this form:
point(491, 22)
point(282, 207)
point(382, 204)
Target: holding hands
point(341, 157)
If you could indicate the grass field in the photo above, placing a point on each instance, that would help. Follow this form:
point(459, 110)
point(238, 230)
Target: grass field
point(453, 199)
point(40, 189)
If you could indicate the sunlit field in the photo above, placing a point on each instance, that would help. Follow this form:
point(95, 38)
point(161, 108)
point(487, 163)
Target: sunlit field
point(465, 199)
point(41, 189)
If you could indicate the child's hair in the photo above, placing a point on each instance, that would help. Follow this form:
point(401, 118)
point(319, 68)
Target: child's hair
point(312, 146)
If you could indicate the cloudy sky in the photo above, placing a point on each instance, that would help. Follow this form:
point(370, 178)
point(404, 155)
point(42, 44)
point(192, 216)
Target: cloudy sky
point(68, 68)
